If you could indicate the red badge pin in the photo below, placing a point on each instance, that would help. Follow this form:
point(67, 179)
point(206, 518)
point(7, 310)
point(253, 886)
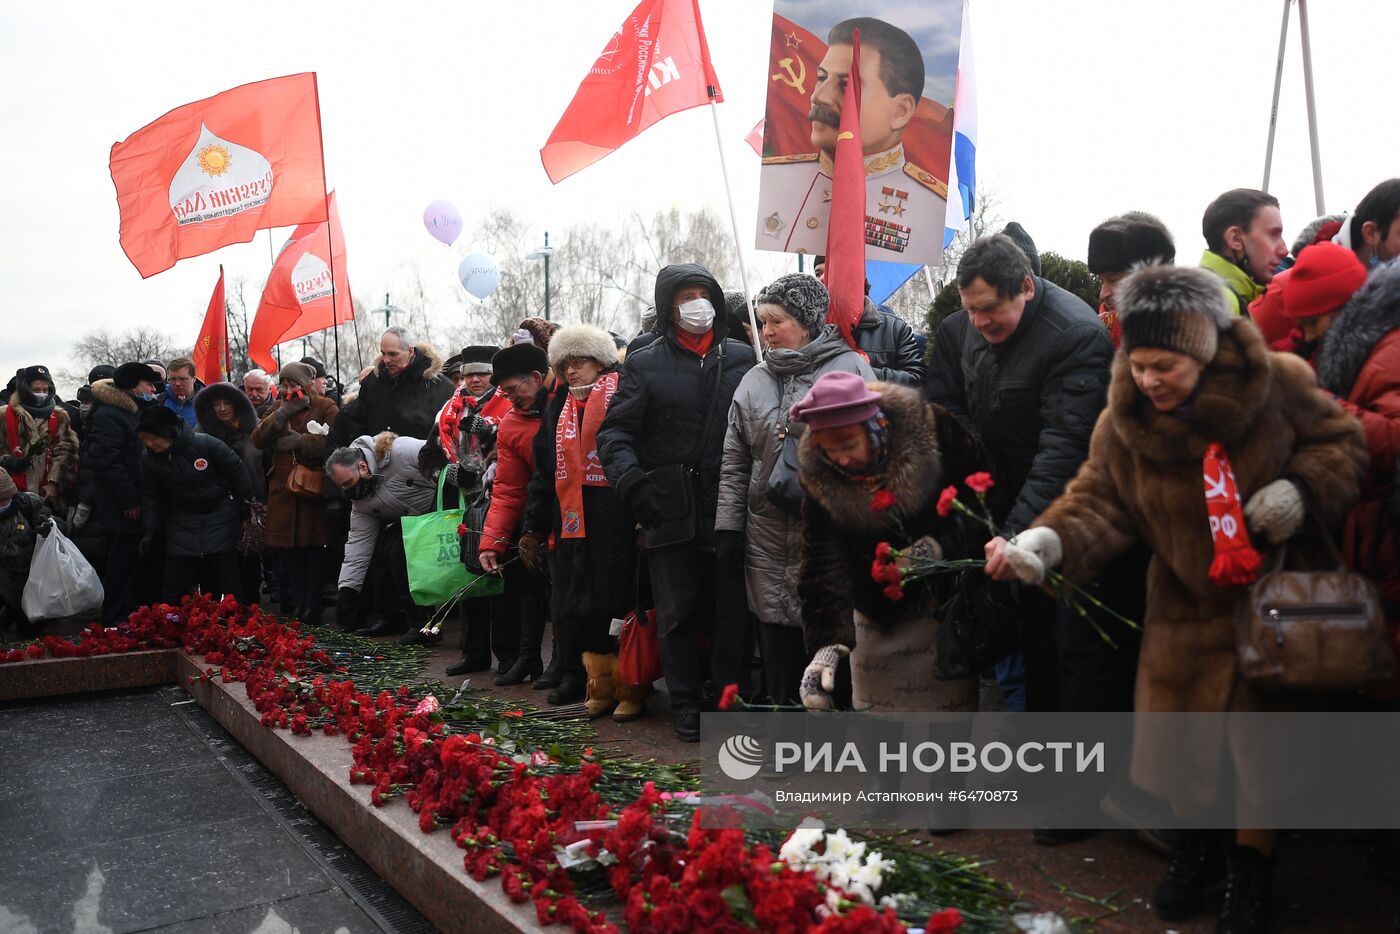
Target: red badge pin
point(200, 463)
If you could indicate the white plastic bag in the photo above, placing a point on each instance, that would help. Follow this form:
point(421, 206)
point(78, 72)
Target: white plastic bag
point(61, 582)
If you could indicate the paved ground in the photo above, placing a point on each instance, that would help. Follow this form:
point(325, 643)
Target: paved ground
point(1322, 883)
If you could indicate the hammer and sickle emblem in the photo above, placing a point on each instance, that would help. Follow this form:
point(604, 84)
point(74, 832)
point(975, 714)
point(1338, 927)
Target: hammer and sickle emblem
point(795, 79)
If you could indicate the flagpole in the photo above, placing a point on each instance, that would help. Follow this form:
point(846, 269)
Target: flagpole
point(335, 316)
point(734, 222)
point(228, 353)
point(1312, 104)
point(1278, 84)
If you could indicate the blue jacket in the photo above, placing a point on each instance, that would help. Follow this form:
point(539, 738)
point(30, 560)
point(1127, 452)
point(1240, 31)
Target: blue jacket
point(183, 409)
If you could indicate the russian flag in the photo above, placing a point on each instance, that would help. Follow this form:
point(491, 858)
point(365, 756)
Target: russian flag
point(962, 168)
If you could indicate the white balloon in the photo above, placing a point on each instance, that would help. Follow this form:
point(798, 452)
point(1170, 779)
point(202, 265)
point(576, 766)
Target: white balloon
point(479, 275)
point(443, 221)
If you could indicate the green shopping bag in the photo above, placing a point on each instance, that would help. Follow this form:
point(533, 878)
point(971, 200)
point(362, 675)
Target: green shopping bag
point(432, 550)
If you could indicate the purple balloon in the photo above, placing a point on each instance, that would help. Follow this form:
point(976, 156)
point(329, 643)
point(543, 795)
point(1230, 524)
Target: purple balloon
point(443, 221)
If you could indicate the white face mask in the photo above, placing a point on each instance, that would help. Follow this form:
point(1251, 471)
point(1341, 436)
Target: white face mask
point(41, 397)
point(697, 315)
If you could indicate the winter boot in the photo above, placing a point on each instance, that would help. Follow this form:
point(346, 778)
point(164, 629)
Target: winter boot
point(555, 672)
point(528, 663)
point(1248, 888)
point(602, 684)
point(1197, 866)
point(631, 702)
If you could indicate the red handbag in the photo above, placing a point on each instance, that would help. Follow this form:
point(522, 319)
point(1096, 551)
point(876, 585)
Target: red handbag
point(638, 649)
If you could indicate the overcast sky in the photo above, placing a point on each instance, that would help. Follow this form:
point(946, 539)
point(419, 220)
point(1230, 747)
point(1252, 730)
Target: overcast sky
point(1086, 108)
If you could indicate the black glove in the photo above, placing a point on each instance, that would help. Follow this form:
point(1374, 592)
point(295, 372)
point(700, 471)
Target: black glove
point(729, 551)
point(292, 405)
point(476, 425)
point(144, 548)
point(13, 464)
point(645, 503)
point(45, 527)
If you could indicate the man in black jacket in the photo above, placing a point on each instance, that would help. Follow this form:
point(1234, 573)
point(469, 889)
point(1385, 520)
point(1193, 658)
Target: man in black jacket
point(886, 339)
point(670, 411)
point(109, 464)
point(195, 493)
point(404, 393)
point(1026, 363)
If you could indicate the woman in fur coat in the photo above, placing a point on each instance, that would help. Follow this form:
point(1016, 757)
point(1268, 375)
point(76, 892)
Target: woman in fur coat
point(872, 464)
point(572, 506)
point(1196, 394)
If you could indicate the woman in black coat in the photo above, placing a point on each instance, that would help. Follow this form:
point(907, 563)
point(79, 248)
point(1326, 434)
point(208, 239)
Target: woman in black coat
point(195, 491)
point(222, 411)
point(593, 565)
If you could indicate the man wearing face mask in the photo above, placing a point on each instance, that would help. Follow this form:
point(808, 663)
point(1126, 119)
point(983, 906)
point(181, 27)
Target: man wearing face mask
point(1244, 243)
point(666, 425)
point(380, 476)
point(111, 457)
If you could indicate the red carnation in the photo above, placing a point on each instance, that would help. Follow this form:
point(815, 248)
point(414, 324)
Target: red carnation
point(882, 551)
point(945, 921)
point(730, 695)
point(979, 482)
point(35, 651)
point(894, 593)
point(946, 500)
point(882, 500)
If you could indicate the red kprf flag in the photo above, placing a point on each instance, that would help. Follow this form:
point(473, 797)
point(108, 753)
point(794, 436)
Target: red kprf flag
point(301, 295)
point(210, 354)
point(217, 171)
point(657, 64)
point(845, 236)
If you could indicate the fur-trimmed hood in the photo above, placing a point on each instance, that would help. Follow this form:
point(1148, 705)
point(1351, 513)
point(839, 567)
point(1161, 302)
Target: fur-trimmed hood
point(376, 450)
point(426, 364)
point(1233, 391)
point(1372, 313)
point(914, 473)
point(581, 340)
point(109, 393)
point(208, 422)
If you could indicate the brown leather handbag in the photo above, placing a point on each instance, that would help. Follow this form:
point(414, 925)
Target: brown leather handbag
point(305, 481)
point(1313, 630)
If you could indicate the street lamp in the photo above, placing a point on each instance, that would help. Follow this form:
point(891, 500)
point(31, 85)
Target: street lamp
point(544, 253)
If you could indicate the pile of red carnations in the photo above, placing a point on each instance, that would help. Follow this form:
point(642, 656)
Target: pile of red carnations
point(513, 813)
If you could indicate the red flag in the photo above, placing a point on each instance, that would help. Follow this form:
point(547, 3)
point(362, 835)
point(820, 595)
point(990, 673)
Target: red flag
point(300, 297)
point(845, 236)
point(211, 348)
point(755, 137)
point(655, 65)
point(217, 171)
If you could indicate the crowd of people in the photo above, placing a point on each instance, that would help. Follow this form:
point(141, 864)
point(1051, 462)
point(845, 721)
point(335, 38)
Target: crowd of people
point(743, 497)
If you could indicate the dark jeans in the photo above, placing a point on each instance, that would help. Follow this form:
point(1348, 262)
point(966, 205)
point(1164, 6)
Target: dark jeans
point(475, 636)
point(249, 579)
point(304, 574)
point(735, 635)
point(218, 574)
point(517, 622)
point(784, 660)
point(683, 586)
point(118, 577)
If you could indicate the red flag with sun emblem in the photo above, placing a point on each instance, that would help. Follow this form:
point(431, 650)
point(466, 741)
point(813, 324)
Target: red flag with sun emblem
point(217, 171)
point(655, 65)
point(307, 291)
point(210, 356)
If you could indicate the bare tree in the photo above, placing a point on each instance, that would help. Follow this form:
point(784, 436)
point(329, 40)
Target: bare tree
point(984, 220)
point(99, 347)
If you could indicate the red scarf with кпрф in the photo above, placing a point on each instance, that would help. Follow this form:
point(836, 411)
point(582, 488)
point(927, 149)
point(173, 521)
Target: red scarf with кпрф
point(576, 445)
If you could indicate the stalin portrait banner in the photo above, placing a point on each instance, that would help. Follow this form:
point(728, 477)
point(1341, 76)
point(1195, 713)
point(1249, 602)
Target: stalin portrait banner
point(909, 67)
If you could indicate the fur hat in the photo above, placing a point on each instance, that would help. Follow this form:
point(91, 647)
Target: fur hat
point(517, 360)
point(800, 295)
point(1178, 308)
point(540, 331)
point(300, 373)
point(1122, 242)
point(30, 373)
point(128, 375)
point(7, 485)
point(581, 340)
point(835, 400)
point(476, 359)
point(1322, 281)
point(160, 421)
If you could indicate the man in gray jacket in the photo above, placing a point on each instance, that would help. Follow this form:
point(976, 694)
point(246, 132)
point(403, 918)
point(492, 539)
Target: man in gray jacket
point(380, 476)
